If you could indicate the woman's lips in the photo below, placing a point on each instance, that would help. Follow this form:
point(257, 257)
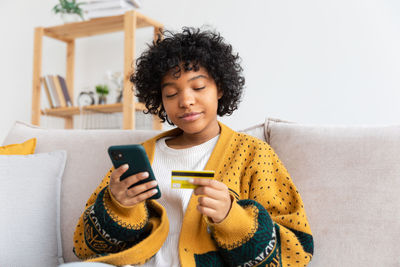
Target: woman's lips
point(192, 116)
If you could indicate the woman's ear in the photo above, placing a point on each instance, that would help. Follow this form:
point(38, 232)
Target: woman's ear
point(220, 94)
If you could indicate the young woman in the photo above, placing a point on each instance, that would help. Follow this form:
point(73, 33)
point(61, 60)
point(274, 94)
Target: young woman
point(249, 214)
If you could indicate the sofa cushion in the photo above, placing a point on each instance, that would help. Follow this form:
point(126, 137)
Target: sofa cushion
point(349, 179)
point(25, 148)
point(87, 163)
point(30, 194)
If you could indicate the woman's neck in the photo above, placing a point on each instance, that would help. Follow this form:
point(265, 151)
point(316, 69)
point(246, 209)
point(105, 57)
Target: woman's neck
point(186, 140)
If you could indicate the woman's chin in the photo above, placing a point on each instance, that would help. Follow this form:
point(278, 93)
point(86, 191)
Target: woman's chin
point(190, 129)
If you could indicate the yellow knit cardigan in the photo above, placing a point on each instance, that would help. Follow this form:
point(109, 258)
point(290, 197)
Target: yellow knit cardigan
point(266, 226)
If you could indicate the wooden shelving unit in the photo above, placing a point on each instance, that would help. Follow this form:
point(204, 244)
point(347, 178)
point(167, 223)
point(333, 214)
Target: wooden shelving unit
point(67, 33)
point(71, 111)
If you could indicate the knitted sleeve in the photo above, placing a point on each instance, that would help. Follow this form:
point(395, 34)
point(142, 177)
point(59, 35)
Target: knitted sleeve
point(267, 224)
point(110, 232)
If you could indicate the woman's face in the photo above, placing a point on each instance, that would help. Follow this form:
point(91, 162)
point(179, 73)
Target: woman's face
point(191, 100)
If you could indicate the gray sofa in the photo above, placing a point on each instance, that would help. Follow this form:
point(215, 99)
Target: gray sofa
point(348, 177)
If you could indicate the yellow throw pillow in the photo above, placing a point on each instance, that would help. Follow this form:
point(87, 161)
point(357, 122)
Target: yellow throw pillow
point(25, 148)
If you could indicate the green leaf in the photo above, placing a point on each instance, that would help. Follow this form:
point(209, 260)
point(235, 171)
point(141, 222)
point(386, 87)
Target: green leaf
point(65, 6)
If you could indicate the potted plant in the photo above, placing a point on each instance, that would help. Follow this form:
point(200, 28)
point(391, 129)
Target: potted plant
point(102, 90)
point(70, 10)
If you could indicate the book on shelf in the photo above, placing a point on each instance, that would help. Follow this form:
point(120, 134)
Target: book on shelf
point(57, 92)
point(87, 3)
point(105, 8)
point(109, 4)
point(65, 91)
point(46, 89)
point(135, 3)
point(50, 84)
point(92, 14)
point(60, 94)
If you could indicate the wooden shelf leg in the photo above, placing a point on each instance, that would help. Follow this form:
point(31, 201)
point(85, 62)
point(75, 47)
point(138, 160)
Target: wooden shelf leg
point(157, 124)
point(158, 31)
point(69, 121)
point(129, 55)
point(37, 72)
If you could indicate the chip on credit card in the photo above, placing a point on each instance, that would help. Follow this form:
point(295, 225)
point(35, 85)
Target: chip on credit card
point(180, 179)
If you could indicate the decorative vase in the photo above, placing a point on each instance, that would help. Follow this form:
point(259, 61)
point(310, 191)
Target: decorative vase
point(70, 17)
point(102, 99)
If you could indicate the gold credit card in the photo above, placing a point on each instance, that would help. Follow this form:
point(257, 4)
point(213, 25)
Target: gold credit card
point(180, 179)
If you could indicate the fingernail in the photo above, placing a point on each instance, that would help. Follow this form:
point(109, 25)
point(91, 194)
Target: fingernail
point(153, 183)
point(145, 174)
point(125, 166)
point(154, 191)
point(191, 180)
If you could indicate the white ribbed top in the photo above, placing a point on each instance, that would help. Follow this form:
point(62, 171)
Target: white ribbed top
point(175, 201)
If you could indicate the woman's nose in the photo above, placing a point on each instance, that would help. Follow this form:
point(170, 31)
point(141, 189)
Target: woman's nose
point(186, 99)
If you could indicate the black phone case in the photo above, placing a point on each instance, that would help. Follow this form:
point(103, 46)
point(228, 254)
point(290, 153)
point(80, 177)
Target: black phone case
point(135, 156)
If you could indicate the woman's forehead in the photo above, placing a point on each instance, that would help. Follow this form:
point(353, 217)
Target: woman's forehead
point(181, 73)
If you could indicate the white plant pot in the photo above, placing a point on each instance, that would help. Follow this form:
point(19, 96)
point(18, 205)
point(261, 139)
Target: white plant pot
point(70, 17)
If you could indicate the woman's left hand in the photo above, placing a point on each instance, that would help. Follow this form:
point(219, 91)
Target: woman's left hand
point(215, 201)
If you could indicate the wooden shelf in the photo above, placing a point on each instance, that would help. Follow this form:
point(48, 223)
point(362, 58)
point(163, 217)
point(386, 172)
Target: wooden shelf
point(71, 31)
point(127, 23)
point(71, 111)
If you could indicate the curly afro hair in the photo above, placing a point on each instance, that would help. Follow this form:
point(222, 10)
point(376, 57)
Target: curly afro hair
point(188, 50)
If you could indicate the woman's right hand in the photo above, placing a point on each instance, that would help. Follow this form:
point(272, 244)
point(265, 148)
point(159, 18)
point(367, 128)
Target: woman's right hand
point(130, 196)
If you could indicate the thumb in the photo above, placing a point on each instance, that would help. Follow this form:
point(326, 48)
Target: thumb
point(115, 176)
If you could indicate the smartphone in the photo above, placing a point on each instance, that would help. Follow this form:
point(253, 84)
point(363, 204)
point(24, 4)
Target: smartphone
point(135, 156)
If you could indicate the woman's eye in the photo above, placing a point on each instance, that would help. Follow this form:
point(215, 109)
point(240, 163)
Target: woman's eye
point(199, 88)
point(170, 95)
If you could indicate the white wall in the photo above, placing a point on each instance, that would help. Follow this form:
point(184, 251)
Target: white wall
point(310, 61)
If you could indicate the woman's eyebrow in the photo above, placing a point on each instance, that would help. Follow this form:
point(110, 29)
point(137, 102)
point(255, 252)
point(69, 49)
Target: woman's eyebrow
point(197, 77)
point(166, 84)
point(191, 79)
